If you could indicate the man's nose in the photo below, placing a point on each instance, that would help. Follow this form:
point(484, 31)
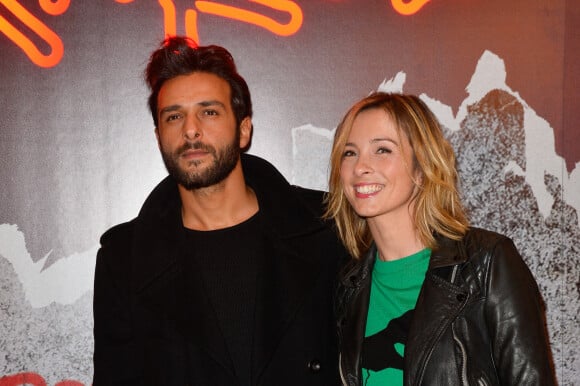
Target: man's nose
point(191, 128)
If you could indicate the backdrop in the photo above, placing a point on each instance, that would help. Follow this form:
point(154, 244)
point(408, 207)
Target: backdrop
point(78, 151)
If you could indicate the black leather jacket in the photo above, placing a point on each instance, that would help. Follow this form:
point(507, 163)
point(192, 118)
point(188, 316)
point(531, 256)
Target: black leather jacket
point(479, 319)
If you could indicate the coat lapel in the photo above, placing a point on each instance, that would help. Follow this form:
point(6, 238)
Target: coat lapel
point(284, 283)
point(291, 264)
point(168, 281)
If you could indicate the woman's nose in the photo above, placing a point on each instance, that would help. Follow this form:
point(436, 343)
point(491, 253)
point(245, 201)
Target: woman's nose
point(362, 166)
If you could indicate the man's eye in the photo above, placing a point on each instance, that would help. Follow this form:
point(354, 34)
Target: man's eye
point(172, 117)
point(210, 112)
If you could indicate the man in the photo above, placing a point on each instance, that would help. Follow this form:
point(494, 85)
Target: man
point(226, 276)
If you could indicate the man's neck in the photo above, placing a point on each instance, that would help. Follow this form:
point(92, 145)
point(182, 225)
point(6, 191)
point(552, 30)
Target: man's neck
point(219, 206)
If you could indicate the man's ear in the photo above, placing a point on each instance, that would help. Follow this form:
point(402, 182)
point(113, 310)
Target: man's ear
point(157, 136)
point(245, 132)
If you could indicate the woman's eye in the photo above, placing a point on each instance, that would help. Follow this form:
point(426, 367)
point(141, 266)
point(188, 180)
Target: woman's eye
point(348, 153)
point(384, 150)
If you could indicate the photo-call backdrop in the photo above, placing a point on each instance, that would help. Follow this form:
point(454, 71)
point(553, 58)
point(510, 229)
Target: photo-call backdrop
point(78, 152)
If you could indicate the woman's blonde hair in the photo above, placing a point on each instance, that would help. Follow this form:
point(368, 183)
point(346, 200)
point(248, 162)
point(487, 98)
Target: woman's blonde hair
point(437, 206)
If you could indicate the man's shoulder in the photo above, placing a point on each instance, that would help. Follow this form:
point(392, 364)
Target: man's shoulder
point(311, 198)
point(115, 250)
point(309, 194)
point(264, 176)
point(258, 168)
point(119, 233)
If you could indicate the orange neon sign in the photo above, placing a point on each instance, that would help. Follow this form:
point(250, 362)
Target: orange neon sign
point(289, 8)
point(408, 7)
point(234, 13)
point(50, 37)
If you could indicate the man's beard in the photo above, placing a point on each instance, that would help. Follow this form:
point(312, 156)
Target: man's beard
point(223, 163)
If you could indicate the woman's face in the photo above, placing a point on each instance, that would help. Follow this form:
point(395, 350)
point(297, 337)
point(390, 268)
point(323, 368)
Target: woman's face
point(376, 168)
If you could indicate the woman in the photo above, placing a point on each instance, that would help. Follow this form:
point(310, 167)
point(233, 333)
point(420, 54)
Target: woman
point(427, 300)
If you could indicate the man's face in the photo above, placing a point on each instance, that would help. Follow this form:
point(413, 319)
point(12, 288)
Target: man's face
point(197, 133)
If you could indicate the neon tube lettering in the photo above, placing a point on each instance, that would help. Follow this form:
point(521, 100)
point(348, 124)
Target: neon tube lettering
point(257, 19)
point(50, 37)
point(408, 7)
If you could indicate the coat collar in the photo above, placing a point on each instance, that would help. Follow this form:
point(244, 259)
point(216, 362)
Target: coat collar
point(447, 253)
point(286, 214)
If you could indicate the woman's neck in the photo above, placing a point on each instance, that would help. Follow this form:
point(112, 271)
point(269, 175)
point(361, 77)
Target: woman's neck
point(395, 239)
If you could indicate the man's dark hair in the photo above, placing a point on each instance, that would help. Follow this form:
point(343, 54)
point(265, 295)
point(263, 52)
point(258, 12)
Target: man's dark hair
point(181, 56)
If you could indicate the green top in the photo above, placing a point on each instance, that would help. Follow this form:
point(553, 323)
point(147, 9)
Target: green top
point(394, 291)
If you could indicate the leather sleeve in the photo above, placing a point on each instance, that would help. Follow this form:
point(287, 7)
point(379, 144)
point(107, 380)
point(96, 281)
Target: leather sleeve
point(515, 317)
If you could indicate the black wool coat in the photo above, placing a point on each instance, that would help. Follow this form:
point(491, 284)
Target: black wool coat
point(153, 324)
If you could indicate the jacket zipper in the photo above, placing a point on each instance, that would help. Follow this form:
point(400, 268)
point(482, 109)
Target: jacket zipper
point(463, 358)
point(458, 341)
point(340, 369)
point(453, 274)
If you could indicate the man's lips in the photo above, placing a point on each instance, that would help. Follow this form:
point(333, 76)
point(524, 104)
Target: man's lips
point(193, 153)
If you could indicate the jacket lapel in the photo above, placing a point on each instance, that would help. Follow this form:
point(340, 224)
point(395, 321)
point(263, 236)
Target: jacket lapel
point(439, 302)
point(354, 301)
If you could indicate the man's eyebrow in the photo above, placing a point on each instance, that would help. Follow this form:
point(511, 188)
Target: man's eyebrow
point(212, 103)
point(167, 109)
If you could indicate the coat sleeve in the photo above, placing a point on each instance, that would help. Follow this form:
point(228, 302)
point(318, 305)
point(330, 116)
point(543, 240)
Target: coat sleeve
point(116, 350)
point(516, 320)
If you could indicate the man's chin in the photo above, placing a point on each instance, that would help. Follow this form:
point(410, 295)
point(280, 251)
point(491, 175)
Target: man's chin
point(193, 164)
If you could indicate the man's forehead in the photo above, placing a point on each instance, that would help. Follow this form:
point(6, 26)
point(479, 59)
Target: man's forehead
point(202, 103)
point(201, 89)
point(198, 80)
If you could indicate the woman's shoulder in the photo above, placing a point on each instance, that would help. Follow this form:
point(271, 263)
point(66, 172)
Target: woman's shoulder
point(479, 237)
